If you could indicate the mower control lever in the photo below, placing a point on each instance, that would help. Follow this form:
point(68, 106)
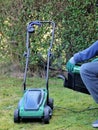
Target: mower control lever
point(30, 27)
point(25, 54)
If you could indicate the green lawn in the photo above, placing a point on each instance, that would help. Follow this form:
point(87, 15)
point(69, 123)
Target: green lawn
point(72, 110)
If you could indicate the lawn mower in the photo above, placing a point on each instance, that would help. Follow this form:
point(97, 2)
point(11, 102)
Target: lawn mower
point(73, 79)
point(35, 103)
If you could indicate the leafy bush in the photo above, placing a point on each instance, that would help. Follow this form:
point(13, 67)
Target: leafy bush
point(76, 28)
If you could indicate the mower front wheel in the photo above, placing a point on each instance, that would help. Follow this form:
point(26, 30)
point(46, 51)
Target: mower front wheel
point(47, 114)
point(16, 116)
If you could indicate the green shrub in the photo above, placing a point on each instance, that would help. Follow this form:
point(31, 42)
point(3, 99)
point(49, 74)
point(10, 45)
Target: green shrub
point(76, 28)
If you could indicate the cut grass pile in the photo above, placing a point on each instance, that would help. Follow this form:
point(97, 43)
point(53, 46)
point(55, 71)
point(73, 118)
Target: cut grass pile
point(72, 110)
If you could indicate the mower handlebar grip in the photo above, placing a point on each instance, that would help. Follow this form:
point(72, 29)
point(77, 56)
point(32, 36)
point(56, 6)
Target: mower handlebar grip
point(35, 23)
point(30, 26)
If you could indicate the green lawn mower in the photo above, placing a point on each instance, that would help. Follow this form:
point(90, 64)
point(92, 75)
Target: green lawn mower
point(35, 103)
point(73, 79)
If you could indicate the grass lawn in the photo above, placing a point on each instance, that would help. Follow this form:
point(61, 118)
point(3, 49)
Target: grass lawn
point(72, 110)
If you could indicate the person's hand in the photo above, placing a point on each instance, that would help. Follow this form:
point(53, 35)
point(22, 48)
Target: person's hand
point(70, 64)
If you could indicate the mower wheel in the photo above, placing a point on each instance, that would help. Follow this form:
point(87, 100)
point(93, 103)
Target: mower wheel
point(47, 114)
point(65, 82)
point(16, 116)
point(51, 103)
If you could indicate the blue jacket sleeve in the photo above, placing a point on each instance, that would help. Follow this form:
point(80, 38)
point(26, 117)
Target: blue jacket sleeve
point(86, 54)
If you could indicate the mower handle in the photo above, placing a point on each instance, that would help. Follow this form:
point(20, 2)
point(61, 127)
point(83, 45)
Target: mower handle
point(30, 26)
point(30, 29)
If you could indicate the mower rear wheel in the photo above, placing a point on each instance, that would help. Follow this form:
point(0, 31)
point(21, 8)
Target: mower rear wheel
point(47, 114)
point(51, 103)
point(16, 116)
point(65, 82)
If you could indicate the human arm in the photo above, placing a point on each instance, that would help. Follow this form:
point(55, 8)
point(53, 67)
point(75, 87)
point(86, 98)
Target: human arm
point(86, 54)
point(82, 56)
